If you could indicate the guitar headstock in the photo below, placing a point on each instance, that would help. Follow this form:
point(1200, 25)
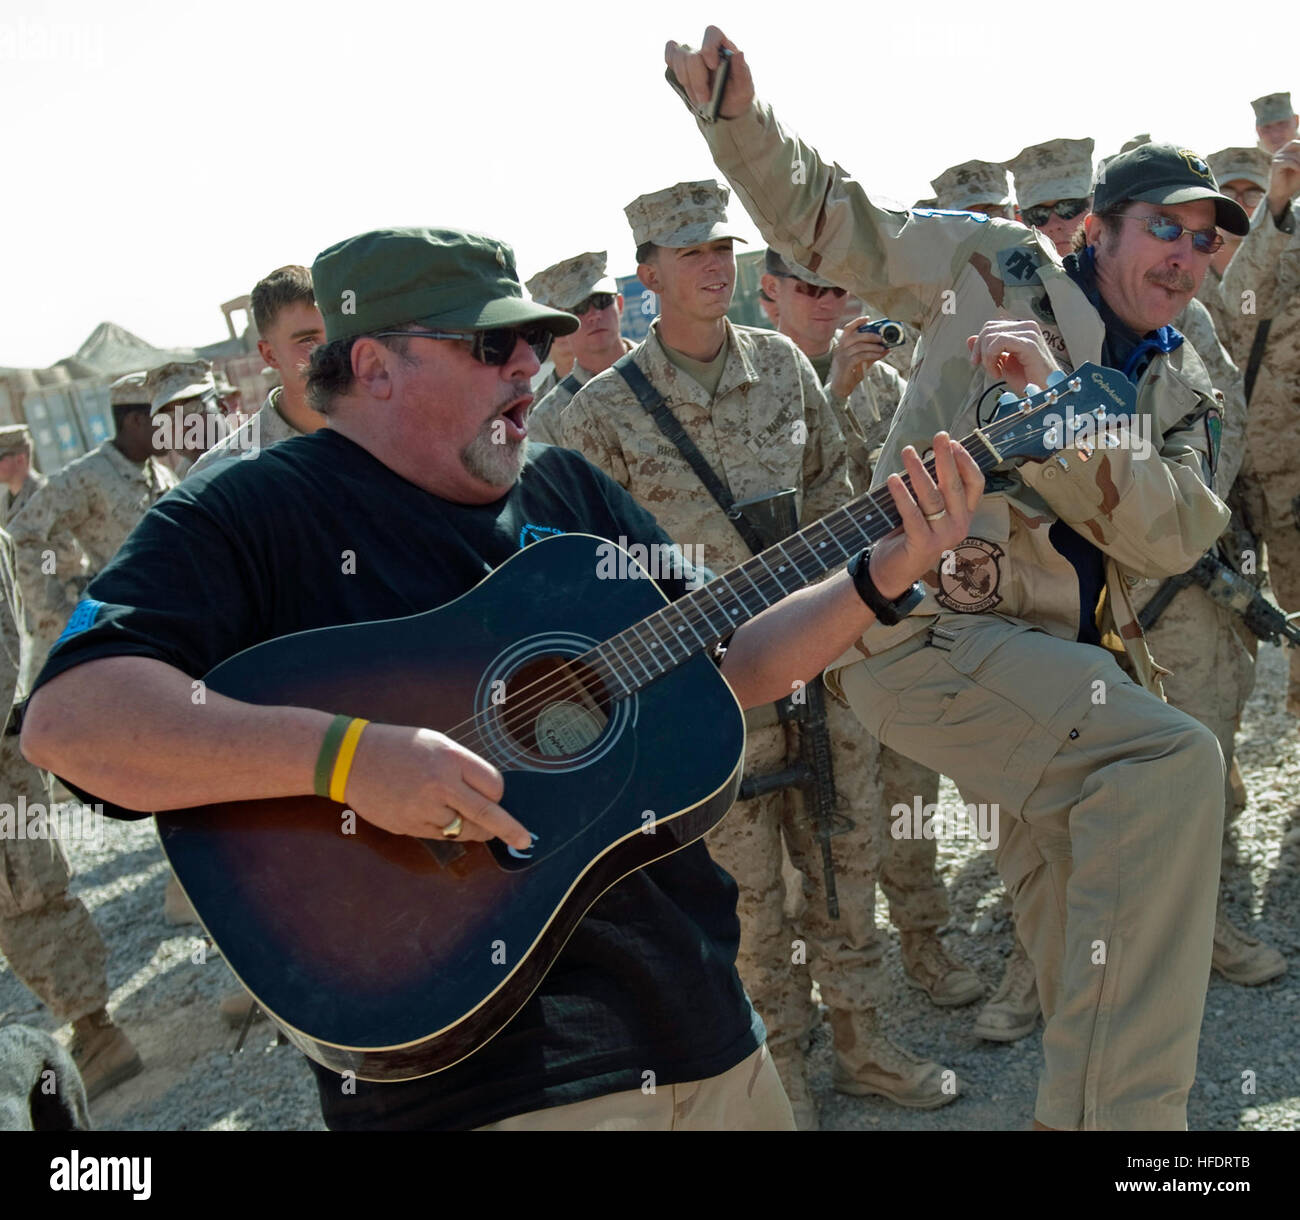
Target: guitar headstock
point(1089, 409)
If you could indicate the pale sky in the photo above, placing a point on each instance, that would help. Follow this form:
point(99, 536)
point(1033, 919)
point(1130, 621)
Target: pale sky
point(159, 159)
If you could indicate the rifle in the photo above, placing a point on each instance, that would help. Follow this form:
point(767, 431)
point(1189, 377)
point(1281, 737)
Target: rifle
point(773, 518)
point(1228, 588)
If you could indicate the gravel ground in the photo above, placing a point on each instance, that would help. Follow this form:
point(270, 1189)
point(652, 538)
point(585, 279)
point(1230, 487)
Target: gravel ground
point(165, 987)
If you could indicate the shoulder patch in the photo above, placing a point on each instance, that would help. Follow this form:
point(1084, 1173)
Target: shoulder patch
point(81, 619)
point(1019, 265)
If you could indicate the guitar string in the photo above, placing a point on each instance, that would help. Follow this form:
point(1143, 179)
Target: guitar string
point(770, 590)
point(565, 676)
point(521, 711)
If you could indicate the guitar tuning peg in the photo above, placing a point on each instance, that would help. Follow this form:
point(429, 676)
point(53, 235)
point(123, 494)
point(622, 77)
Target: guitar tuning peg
point(1031, 389)
point(1008, 399)
point(1055, 377)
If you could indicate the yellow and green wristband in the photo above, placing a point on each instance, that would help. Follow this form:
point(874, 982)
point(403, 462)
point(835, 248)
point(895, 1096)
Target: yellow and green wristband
point(334, 762)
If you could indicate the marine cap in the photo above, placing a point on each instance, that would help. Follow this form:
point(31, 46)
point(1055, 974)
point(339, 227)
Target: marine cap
point(970, 183)
point(775, 264)
point(1130, 145)
point(1272, 108)
point(572, 281)
point(681, 216)
point(435, 278)
point(1162, 173)
point(177, 381)
point(1055, 169)
point(1248, 163)
point(130, 391)
point(14, 438)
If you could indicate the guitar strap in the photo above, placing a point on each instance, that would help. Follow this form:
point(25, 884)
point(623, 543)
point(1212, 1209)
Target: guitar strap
point(671, 427)
point(1256, 356)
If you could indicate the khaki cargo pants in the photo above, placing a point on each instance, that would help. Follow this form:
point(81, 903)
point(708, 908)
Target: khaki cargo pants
point(1110, 817)
point(747, 1097)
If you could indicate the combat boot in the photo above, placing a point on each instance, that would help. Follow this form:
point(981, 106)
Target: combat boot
point(1241, 958)
point(927, 964)
point(103, 1054)
point(788, 1059)
point(176, 907)
point(868, 1063)
point(1014, 1009)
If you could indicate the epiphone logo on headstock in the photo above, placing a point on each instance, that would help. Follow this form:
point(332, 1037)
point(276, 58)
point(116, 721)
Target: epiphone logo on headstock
point(1099, 380)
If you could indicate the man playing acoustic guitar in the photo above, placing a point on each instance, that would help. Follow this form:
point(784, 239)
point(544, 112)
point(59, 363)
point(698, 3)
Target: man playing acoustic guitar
point(419, 486)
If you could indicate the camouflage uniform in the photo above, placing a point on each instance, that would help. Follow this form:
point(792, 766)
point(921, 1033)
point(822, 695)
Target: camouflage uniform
point(1229, 164)
point(15, 503)
point(46, 935)
point(543, 420)
point(80, 518)
point(1006, 702)
point(565, 285)
point(17, 439)
point(268, 427)
point(1267, 265)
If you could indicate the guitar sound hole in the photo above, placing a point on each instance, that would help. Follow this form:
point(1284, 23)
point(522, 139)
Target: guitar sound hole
point(554, 707)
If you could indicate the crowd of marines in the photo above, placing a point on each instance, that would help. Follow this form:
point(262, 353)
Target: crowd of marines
point(740, 394)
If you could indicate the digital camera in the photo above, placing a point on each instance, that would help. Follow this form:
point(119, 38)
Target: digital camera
point(888, 330)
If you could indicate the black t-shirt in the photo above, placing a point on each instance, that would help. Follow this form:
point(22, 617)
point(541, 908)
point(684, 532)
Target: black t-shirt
point(316, 532)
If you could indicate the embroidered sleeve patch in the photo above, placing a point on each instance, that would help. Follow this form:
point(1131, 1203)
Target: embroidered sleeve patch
point(81, 619)
point(1019, 265)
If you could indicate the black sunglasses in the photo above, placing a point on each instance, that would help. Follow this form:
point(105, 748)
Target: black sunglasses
point(1066, 209)
point(597, 300)
point(494, 347)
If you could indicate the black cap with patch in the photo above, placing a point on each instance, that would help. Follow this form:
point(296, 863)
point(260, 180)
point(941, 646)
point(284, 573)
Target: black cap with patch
point(1161, 173)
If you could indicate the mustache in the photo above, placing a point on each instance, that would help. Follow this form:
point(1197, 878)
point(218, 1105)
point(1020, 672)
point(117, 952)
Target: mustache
point(513, 392)
point(1174, 281)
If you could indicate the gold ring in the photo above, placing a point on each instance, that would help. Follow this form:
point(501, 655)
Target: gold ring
point(943, 512)
point(453, 828)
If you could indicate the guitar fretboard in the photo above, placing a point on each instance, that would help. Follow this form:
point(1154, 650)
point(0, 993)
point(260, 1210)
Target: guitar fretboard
point(647, 650)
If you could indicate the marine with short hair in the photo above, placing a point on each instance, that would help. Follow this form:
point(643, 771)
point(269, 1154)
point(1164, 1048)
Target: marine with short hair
point(289, 326)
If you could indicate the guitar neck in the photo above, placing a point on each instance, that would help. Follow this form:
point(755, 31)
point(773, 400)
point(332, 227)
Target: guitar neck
point(649, 649)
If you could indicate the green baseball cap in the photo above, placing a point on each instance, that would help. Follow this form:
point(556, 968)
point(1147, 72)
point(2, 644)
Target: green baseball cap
point(436, 278)
point(1162, 173)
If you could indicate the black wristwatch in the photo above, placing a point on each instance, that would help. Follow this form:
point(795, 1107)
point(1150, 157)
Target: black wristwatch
point(887, 613)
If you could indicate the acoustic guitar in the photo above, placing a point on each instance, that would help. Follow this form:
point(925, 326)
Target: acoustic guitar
point(394, 957)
